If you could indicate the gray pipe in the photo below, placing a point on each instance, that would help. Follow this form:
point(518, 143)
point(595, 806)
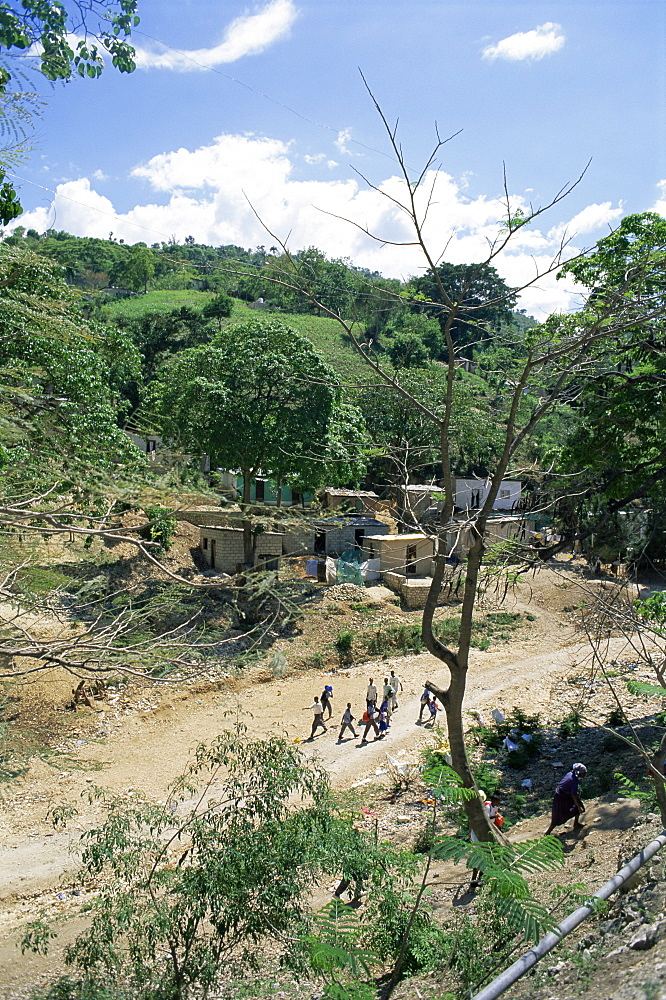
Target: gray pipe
point(547, 943)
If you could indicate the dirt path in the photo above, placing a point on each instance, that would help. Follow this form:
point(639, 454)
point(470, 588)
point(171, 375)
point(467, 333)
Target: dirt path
point(145, 748)
point(149, 749)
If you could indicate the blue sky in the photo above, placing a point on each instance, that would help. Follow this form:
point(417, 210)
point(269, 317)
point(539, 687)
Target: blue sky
point(233, 104)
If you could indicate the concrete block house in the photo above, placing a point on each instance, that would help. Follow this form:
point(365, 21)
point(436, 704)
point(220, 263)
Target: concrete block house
point(222, 548)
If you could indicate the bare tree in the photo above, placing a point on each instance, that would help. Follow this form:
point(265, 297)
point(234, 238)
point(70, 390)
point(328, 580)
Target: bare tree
point(554, 361)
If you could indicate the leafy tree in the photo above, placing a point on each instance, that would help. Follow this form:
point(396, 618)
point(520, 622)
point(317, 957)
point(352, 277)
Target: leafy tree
point(92, 27)
point(188, 890)
point(52, 26)
point(61, 376)
point(340, 459)
point(481, 299)
point(139, 268)
point(159, 335)
point(618, 448)
point(407, 350)
point(219, 308)
point(408, 440)
point(257, 399)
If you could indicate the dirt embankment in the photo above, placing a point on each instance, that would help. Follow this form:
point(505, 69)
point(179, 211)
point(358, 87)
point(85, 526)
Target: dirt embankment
point(140, 738)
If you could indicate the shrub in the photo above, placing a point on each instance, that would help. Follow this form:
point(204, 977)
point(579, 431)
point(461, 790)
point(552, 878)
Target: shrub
point(571, 724)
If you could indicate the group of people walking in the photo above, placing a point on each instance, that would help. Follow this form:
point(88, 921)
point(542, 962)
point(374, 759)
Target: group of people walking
point(377, 714)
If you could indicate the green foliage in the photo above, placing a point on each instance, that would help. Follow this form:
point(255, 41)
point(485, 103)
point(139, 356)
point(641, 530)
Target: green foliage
point(487, 777)
point(644, 688)
point(571, 724)
point(219, 307)
point(446, 785)
point(387, 639)
point(154, 303)
point(481, 299)
point(388, 917)
point(50, 30)
point(186, 888)
point(337, 954)
point(644, 792)
point(257, 399)
point(477, 947)
point(37, 937)
point(616, 717)
point(61, 379)
point(653, 608)
point(410, 439)
point(407, 350)
point(161, 527)
point(505, 869)
point(139, 268)
point(52, 26)
point(514, 725)
point(344, 646)
point(10, 206)
point(619, 441)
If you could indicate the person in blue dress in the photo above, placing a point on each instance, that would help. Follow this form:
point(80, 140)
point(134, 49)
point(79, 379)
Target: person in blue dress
point(566, 801)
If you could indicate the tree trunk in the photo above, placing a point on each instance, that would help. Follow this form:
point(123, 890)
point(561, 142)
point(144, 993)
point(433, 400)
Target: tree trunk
point(659, 783)
point(248, 535)
point(278, 492)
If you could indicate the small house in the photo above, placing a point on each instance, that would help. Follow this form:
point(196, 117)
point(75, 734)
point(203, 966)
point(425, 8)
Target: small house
point(408, 555)
point(351, 501)
point(263, 490)
point(331, 536)
point(405, 564)
point(223, 550)
point(470, 494)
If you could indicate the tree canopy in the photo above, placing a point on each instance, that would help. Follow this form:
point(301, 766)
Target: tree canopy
point(258, 399)
point(471, 298)
point(61, 376)
point(68, 37)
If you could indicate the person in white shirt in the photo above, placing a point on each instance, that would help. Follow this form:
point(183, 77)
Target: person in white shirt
point(318, 720)
point(347, 722)
point(396, 684)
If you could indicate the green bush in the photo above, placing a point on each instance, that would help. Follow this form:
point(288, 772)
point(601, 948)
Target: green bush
point(344, 647)
point(616, 717)
point(162, 526)
point(571, 724)
point(515, 725)
point(390, 916)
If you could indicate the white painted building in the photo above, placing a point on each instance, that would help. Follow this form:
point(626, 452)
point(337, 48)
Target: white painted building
point(471, 494)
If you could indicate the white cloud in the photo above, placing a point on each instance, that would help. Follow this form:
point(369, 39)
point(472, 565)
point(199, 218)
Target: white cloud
point(660, 204)
point(320, 158)
point(541, 41)
point(589, 220)
point(220, 191)
point(247, 35)
point(343, 140)
point(99, 175)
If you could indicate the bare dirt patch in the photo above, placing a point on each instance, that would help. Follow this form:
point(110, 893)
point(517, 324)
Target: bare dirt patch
point(140, 736)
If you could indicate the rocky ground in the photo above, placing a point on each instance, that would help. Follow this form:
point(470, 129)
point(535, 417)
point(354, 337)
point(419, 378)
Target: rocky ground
point(139, 737)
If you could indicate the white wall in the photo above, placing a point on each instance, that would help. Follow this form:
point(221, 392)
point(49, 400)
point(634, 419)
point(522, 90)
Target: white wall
point(471, 493)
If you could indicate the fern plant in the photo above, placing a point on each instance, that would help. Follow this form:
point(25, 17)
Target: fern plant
point(337, 954)
point(505, 869)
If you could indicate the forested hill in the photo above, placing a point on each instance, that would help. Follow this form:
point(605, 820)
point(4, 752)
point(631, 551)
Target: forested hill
point(155, 310)
point(180, 281)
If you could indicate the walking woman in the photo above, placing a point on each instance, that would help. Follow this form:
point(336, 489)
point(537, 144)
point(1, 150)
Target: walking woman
point(566, 801)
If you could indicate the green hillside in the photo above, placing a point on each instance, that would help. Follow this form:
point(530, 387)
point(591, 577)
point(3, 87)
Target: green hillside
point(328, 337)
